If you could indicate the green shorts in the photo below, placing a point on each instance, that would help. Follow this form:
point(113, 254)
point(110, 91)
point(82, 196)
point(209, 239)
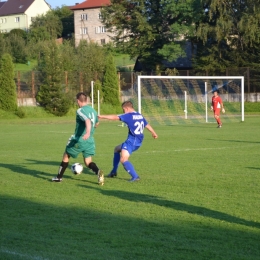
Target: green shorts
point(75, 146)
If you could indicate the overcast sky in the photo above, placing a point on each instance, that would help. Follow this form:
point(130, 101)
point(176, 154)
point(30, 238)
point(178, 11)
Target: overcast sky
point(59, 3)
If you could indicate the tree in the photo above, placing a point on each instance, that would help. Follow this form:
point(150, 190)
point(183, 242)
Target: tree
point(8, 97)
point(97, 88)
point(17, 48)
point(67, 18)
point(52, 95)
point(110, 83)
point(151, 30)
point(229, 34)
point(2, 45)
point(90, 62)
point(50, 22)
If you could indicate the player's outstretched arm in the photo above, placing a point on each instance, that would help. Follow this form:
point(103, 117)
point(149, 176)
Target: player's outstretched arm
point(109, 117)
point(152, 131)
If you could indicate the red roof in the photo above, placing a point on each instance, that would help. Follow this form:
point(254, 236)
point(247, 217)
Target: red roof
point(91, 4)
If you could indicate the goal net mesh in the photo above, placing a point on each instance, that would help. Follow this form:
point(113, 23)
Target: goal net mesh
point(182, 100)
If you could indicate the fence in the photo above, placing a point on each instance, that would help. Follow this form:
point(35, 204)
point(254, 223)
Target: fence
point(28, 83)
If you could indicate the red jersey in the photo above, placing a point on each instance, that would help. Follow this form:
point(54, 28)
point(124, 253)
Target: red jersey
point(216, 102)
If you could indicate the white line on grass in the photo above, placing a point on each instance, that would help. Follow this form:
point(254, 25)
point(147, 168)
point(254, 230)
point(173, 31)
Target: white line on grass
point(201, 149)
point(23, 255)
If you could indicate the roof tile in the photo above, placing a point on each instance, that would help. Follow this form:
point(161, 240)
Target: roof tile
point(91, 4)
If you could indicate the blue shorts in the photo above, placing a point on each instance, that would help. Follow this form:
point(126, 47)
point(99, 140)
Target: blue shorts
point(127, 145)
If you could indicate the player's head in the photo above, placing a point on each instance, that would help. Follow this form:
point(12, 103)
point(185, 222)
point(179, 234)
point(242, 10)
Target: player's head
point(127, 106)
point(82, 98)
point(215, 91)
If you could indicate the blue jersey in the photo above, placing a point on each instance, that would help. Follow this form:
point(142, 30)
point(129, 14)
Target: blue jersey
point(136, 124)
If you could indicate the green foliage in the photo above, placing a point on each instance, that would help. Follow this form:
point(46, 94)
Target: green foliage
point(51, 94)
point(8, 97)
point(38, 34)
point(97, 87)
point(50, 22)
point(150, 30)
point(18, 32)
point(252, 107)
point(67, 18)
point(54, 100)
point(90, 63)
point(20, 112)
point(110, 82)
point(228, 35)
point(17, 48)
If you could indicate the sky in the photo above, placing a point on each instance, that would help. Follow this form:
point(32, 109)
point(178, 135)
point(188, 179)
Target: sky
point(59, 3)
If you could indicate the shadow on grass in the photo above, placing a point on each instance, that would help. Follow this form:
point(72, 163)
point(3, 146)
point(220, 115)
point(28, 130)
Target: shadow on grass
point(234, 141)
point(50, 231)
point(191, 209)
point(38, 173)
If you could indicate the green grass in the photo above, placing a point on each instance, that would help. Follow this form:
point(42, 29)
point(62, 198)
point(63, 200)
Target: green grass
point(198, 197)
point(25, 67)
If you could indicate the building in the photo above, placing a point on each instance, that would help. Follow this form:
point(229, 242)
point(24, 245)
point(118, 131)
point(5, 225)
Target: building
point(87, 22)
point(17, 14)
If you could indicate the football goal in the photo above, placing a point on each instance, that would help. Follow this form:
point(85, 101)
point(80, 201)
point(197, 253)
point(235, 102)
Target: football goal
point(187, 99)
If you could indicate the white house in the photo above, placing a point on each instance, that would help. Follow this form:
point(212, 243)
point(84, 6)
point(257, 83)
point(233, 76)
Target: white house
point(18, 14)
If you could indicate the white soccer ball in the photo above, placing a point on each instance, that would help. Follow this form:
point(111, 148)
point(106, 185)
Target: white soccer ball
point(77, 168)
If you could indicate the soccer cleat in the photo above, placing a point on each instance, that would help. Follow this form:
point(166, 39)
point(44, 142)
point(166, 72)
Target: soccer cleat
point(101, 178)
point(219, 126)
point(134, 179)
point(56, 179)
point(112, 174)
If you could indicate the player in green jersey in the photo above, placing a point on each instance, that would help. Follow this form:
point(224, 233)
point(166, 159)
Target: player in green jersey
point(82, 141)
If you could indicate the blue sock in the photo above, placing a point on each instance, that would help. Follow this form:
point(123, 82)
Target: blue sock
point(116, 161)
point(130, 169)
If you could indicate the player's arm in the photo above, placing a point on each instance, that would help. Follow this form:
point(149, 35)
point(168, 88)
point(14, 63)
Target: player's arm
point(88, 129)
point(222, 106)
point(148, 127)
point(109, 117)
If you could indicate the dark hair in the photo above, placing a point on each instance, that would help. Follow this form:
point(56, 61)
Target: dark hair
point(82, 97)
point(127, 104)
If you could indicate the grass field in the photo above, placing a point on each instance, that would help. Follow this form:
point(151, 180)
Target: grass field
point(198, 197)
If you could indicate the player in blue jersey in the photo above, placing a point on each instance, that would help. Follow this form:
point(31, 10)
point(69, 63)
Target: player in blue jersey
point(83, 140)
point(136, 124)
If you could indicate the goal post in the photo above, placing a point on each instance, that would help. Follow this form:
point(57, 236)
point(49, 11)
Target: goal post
point(169, 99)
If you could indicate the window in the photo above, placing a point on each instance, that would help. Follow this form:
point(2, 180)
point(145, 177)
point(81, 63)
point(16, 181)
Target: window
point(17, 19)
point(103, 41)
point(84, 30)
point(84, 17)
point(100, 29)
point(4, 20)
point(99, 16)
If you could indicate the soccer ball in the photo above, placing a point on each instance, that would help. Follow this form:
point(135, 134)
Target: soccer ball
point(77, 168)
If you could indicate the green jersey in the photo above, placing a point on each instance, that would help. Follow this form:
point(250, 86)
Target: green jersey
point(76, 143)
point(84, 113)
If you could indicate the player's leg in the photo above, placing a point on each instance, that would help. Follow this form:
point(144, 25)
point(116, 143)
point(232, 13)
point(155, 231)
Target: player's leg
point(128, 166)
point(63, 166)
point(116, 161)
point(88, 152)
point(70, 151)
point(217, 117)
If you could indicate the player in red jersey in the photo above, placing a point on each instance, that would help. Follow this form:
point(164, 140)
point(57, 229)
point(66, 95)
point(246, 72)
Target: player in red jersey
point(216, 106)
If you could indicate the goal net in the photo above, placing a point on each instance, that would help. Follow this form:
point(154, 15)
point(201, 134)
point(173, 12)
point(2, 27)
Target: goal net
point(187, 99)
